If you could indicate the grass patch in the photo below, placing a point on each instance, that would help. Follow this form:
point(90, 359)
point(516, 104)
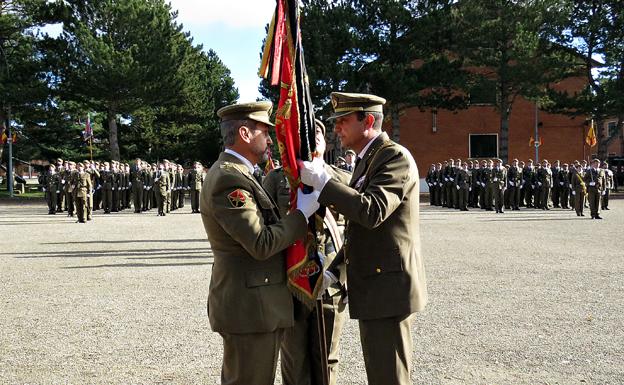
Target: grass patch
point(4, 193)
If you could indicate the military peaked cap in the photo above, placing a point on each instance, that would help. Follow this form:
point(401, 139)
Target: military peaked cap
point(345, 103)
point(256, 111)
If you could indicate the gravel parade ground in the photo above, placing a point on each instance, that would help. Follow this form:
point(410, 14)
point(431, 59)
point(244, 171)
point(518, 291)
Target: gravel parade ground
point(528, 297)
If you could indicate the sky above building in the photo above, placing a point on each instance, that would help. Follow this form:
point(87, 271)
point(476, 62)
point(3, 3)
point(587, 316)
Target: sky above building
point(234, 29)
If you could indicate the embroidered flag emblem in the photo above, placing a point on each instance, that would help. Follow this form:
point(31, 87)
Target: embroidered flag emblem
point(237, 198)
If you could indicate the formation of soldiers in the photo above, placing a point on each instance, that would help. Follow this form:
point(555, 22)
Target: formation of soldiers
point(82, 188)
point(489, 185)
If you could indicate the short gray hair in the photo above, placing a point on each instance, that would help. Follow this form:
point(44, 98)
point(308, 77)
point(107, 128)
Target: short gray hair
point(229, 130)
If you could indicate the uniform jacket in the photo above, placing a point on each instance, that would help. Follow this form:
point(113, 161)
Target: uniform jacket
point(462, 179)
point(499, 177)
point(248, 292)
point(544, 176)
point(107, 179)
point(595, 180)
point(162, 183)
point(385, 270)
point(83, 184)
point(195, 180)
point(514, 176)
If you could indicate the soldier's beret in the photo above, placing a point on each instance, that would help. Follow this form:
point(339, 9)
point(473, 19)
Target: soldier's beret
point(59, 160)
point(256, 111)
point(345, 103)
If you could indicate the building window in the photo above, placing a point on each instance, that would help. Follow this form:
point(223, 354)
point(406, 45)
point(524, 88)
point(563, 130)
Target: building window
point(483, 145)
point(483, 93)
point(612, 128)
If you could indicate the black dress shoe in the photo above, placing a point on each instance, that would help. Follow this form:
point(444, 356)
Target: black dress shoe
point(582, 214)
point(606, 208)
point(597, 217)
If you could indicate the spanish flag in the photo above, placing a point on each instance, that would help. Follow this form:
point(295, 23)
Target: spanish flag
point(591, 136)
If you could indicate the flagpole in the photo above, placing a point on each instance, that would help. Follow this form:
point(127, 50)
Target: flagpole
point(91, 147)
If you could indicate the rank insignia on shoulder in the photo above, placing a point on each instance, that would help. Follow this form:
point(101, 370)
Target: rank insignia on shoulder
point(239, 198)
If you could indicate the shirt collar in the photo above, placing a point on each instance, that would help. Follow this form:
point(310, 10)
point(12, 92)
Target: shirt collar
point(363, 152)
point(245, 161)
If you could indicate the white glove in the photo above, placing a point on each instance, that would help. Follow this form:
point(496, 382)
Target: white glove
point(539, 183)
point(511, 184)
point(44, 189)
point(603, 193)
point(313, 173)
point(561, 183)
point(328, 280)
point(458, 187)
point(58, 192)
point(573, 192)
point(308, 203)
point(570, 186)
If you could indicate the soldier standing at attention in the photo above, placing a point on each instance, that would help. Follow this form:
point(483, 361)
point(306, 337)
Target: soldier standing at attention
point(482, 178)
point(514, 179)
point(528, 179)
point(69, 188)
point(498, 183)
point(107, 188)
point(52, 188)
point(195, 182)
point(147, 187)
point(248, 239)
point(94, 174)
point(60, 196)
point(83, 192)
point(462, 181)
point(544, 182)
point(609, 183)
point(183, 187)
point(579, 189)
point(384, 266)
point(564, 186)
point(162, 185)
point(443, 181)
point(556, 187)
point(438, 184)
point(137, 176)
point(430, 179)
point(595, 182)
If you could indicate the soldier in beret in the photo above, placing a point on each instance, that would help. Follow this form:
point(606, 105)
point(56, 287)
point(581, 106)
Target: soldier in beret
point(249, 304)
point(83, 192)
point(384, 266)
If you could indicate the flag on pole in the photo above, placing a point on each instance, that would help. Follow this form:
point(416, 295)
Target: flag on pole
point(270, 165)
point(591, 136)
point(88, 128)
point(283, 64)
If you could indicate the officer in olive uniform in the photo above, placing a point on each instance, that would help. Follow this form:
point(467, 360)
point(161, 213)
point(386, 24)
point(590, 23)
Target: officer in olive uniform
point(498, 183)
point(544, 183)
point(249, 304)
point(107, 188)
point(463, 183)
point(384, 266)
point(595, 182)
point(52, 187)
point(528, 181)
point(300, 350)
point(83, 192)
point(609, 184)
point(195, 180)
point(162, 185)
point(137, 176)
point(579, 189)
point(514, 178)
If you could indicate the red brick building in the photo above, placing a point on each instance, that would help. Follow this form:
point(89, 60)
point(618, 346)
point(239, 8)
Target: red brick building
point(434, 136)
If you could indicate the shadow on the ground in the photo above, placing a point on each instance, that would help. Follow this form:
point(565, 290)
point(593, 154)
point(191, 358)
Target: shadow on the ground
point(127, 241)
point(139, 265)
point(139, 254)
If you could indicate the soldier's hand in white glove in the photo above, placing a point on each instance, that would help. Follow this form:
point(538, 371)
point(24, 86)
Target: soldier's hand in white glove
point(308, 203)
point(314, 174)
point(328, 280)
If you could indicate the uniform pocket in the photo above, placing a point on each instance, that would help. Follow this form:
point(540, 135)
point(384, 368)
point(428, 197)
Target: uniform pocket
point(388, 261)
point(257, 278)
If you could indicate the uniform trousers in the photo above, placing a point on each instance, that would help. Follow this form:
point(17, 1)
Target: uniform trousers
point(387, 347)
point(605, 200)
point(301, 352)
point(498, 193)
point(462, 195)
point(137, 196)
point(250, 359)
point(528, 195)
point(146, 199)
point(564, 197)
point(578, 201)
point(195, 200)
point(544, 194)
point(69, 202)
point(181, 198)
point(81, 208)
point(555, 192)
point(593, 198)
point(51, 199)
point(107, 200)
